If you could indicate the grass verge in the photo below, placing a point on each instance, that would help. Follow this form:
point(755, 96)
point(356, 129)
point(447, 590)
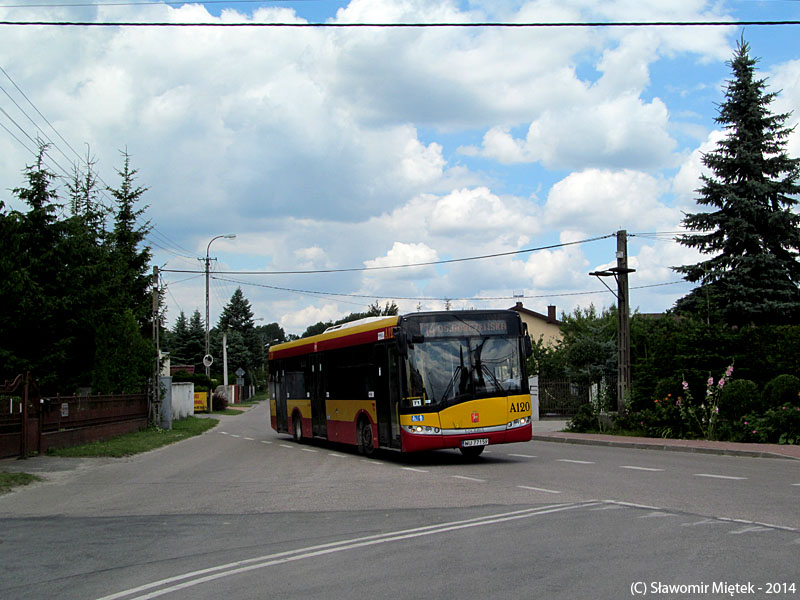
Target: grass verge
point(139, 441)
point(12, 480)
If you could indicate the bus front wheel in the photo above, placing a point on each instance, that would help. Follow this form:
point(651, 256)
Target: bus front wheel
point(297, 429)
point(366, 441)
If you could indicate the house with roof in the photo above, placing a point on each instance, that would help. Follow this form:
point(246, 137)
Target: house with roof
point(546, 327)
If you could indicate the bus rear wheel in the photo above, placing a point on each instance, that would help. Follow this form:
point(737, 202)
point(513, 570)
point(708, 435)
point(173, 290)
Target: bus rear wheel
point(472, 451)
point(366, 441)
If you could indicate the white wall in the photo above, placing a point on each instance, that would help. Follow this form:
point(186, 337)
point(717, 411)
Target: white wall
point(182, 400)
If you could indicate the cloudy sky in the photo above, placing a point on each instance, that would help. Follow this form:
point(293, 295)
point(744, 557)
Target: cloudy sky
point(338, 149)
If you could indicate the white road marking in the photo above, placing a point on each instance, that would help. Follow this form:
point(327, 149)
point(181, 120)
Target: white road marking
point(251, 439)
point(703, 522)
point(523, 455)
point(265, 442)
point(309, 450)
point(415, 470)
point(336, 455)
point(576, 462)
point(749, 529)
point(797, 484)
point(657, 514)
point(631, 504)
point(201, 576)
point(236, 436)
point(640, 468)
point(468, 478)
point(369, 461)
point(712, 476)
point(224, 432)
point(536, 489)
point(285, 446)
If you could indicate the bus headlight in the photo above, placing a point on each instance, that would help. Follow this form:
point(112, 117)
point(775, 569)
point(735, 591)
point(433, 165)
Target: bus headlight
point(422, 429)
point(518, 423)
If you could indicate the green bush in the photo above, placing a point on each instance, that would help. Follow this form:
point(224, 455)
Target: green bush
point(584, 420)
point(740, 397)
point(779, 425)
point(219, 402)
point(784, 389)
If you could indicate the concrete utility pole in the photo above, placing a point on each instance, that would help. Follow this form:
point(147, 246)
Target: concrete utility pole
point(228, 236)
point(620, 273)
point(154, 411)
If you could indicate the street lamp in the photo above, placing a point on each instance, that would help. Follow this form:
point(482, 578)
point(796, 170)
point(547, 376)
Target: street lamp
point(207, 358)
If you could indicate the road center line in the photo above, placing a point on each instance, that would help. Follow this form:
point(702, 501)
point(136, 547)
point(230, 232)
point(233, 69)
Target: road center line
point(415, 470)
point(712, 476)
point(640, 468)
point(536, 489)
point(210, 574)
point(575, 462)
point(468, 478)
point(309, 450)
point(523, 455)
point(285, 446)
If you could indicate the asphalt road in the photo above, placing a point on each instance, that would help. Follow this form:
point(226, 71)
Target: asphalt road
point(242, 512)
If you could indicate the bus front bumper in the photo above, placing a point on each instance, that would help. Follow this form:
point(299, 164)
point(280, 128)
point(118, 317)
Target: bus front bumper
point(418, 442)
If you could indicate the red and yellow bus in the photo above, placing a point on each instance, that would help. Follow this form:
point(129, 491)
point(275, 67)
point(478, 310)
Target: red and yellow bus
point(422, 381)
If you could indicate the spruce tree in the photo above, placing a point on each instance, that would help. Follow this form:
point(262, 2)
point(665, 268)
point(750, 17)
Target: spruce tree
point(750, 231)
point(130, 256)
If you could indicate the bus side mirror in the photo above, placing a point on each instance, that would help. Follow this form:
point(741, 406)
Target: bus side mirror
point(528, 346)
point(401, 338)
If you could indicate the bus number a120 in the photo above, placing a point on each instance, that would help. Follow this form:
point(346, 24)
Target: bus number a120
point(520, 407)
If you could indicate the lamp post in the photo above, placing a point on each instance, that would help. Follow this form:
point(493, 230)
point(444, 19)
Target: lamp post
point(620, 273)
point(207, 357)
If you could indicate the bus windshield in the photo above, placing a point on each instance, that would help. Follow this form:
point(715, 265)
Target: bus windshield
point(447, 371)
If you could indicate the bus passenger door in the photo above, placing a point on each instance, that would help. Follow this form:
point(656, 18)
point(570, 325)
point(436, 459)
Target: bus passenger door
point(319, 423)
point(278, 393)
point(393, 381)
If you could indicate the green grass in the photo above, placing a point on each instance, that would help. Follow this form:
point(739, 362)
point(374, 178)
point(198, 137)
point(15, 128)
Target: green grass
point(139, 441)
point(11, 480)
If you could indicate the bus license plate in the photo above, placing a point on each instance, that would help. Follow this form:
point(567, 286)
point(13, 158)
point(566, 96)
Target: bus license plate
point(478, 442)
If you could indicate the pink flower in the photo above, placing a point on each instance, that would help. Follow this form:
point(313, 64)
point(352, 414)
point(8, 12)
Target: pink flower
point(710, 381)
point(686, 386)
point(754, 431)
point(746, 423)
point(721, 382)
point(716, 409)
point(729, 371)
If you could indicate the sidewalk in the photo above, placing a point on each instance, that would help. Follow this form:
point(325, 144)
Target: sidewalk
point(551, 431)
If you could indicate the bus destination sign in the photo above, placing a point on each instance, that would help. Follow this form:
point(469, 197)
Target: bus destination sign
point(463, 327)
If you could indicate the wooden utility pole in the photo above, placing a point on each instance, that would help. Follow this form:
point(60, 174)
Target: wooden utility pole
point(623, 321)
point(620, 273)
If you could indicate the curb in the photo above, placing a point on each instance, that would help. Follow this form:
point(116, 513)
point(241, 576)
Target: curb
point(655, 445)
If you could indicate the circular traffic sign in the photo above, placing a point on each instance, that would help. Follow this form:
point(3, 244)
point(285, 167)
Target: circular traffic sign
point(208, 360)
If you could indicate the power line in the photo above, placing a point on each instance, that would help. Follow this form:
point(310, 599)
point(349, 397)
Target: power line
point(476, 25)
point(427, 298)
point(420, 264)
point(145, 3)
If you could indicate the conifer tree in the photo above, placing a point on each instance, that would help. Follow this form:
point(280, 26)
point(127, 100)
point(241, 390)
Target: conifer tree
point(130, 257)
point(750, 231)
